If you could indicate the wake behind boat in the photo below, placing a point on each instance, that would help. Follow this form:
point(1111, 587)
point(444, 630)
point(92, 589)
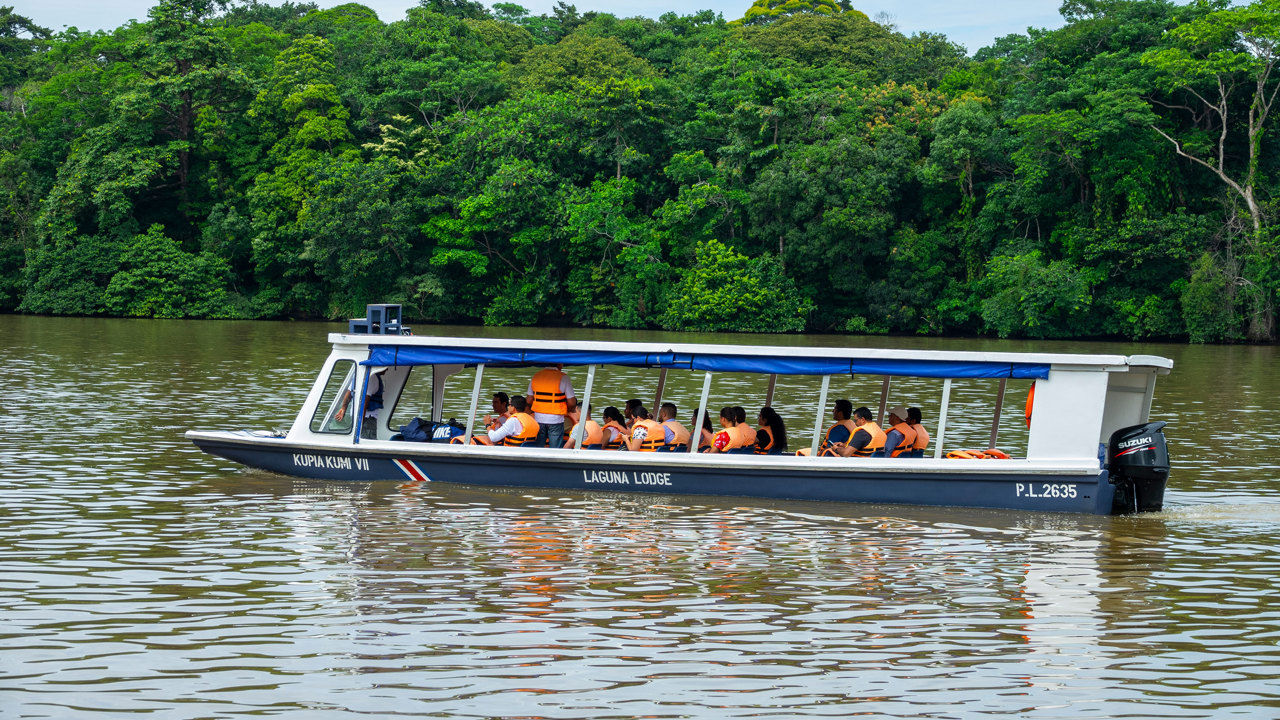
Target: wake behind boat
point(1091, 446)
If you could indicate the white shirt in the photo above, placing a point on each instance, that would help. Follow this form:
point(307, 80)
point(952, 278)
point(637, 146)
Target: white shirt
point(512, 426)
point(546, 418)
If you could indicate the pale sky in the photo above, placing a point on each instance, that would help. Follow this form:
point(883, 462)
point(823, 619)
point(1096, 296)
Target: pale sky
point(972, 24)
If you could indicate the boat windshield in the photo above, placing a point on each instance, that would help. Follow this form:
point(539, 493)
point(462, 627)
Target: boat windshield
point(336, 396)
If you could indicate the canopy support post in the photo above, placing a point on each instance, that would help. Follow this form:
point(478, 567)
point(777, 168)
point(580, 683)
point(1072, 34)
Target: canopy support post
point(773, 384)
point(584, 410)
point(357, 403)
point(884, 400)
point(475, 402)
point(822, 413)
point(657, 398)
point(942, 418)
point(995, 421)
point(696, 438)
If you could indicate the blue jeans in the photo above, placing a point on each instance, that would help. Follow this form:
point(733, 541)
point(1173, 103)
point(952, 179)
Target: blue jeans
point(550, 435)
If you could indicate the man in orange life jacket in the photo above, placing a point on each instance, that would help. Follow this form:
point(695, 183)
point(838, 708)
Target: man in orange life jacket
point(518, 429)
point(674, 435)
point(867, 439)
point(552, 398)
point(900, 437)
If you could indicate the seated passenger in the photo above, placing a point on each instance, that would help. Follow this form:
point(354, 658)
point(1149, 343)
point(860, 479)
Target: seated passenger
point(922, 436)
point(675, 438)
point(774, 439)
point(867, 439)
point(900, 437)
point(646, 433)
point(838, 433)
point(593, 435)
point(629, 412)
point(703, 431)
point(746, 433)
point(729, 438)
point(615, 430)
point(519, 429)
point(501, 411)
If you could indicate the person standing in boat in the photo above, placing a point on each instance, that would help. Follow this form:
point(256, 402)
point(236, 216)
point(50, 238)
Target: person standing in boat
point(900, 437)
point(552, 399)
point(838, 433)
point(372, 404)
point(922, 436)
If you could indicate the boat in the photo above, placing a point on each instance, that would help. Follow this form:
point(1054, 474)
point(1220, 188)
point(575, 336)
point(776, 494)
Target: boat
point(1091, 446)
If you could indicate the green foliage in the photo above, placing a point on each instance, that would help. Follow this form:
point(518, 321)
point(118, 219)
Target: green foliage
point(157, 279)
point(725, 290)
point(801, 169)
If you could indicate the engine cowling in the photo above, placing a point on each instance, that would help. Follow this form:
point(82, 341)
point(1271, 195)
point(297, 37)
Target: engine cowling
point(1138, 463)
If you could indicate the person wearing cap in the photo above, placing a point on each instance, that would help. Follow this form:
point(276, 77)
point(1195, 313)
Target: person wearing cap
point(900, 438)
point(922, 436)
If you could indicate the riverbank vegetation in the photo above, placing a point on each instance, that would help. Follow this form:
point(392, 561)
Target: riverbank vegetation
point(803, 168)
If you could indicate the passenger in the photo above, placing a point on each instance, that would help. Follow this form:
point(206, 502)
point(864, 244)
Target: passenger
point(674, 435)
point(372, 404)
point(646, 433)
point(729, 438)
point(838, 433)
point(593, 435)
point(501, 411)
point(519, 429)
point(553, 399)
point(703, 431)
point(867, 439)
point(922, 436)
point(629, 411)
point(900, 438)
point(774, 440)
point(615, 429)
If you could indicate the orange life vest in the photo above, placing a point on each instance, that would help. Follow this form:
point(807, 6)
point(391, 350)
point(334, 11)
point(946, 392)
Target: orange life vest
point(654, 436)
point(826, 440)
point(908, 439)
point(765, 450)
point(1031, 400)
point(877, 439)
point(922, 438)
point(617, 442)
point(679, 435)
point(547, 397)
point(593, 435)
point(528, 430)
point(735, 438)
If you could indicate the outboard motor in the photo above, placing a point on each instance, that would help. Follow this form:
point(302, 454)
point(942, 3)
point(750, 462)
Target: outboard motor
point(1138, 461)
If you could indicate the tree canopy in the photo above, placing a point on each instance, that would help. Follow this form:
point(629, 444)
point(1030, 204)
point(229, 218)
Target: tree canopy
point(799, 168)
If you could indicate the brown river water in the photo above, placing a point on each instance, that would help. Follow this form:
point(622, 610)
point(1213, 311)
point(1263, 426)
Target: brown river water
point(139, 577)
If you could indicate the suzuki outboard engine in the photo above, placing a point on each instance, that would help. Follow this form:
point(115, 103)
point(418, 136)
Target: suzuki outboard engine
point(1138, 462)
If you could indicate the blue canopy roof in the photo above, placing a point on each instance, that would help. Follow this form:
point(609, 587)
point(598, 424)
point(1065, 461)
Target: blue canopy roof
point(389, 355)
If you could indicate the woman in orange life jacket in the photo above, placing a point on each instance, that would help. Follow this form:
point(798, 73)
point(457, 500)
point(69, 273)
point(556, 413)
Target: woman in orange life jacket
point(675, 437)
point(646, 433)
point(592, 435)
point(900, 437)
point(614, 431)
point(838, 433)
point(867, 439)
point(728, 439)
point(771, 439)
point(922, 436)
point(703, 429)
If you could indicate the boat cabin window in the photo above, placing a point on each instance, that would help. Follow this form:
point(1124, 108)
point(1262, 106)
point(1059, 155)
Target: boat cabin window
point(414, 399)
point(334, 398)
